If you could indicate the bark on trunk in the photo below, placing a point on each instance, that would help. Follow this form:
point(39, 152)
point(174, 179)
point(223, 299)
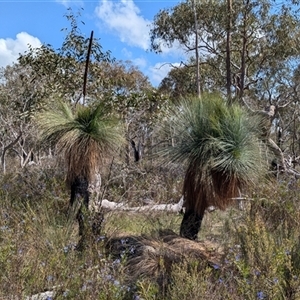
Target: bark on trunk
point(79, 189)
point(197, 50)
point(228, 50)
point(190, 225)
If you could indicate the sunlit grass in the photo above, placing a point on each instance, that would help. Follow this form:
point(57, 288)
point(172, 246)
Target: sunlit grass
point(38, 240)
point(136, 223)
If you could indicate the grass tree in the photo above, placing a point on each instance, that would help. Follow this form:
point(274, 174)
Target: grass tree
point(222, 152)
point(84, 136)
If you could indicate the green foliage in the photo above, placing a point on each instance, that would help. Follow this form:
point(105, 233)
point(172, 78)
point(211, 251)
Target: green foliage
point(195, 281)
point(265, 244)
point(221, 136)
point(191, 280)
point(144, 223)
point(263, 261)
point(220, 145)
point(75, 45)
point(84, 137)
point(264, 42)
point(37, 246)
point(38, 239)
point(147, 289)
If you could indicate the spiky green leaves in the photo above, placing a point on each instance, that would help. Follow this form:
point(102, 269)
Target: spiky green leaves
point(84, 137)
point(220, 145)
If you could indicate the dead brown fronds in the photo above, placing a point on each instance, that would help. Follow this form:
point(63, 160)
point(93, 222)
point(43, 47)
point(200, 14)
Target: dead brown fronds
point(153, 257)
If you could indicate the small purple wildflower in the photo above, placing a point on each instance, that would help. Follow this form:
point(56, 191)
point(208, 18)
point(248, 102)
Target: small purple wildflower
point(3, 228)
point(260, 295)
point(116, 282)
point(100, 238)
point(108, 277)
point(123, 241)
point(237, 257)
point(65, 293)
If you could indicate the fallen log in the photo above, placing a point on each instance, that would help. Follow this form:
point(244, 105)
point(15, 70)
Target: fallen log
point(176, 208)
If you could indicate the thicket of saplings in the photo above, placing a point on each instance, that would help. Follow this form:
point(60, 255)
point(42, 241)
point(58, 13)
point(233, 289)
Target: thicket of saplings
point(249, 253)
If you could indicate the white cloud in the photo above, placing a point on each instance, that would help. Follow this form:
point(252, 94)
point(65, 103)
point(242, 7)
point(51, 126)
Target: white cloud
point(140, 62)
point(127, 53)
point(124, 19)
point(159, 71)
point(67, 3)
point(10, 48)
point(175, 51)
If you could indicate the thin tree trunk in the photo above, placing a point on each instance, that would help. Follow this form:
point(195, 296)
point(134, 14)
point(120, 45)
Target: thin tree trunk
point(86, 69)
point(228, 50)
point(5, 149)
point(244, 53)
point(197, 50)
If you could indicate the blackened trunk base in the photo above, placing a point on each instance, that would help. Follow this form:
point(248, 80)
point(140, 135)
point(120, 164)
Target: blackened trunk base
point(79, 189)
point(190, 225)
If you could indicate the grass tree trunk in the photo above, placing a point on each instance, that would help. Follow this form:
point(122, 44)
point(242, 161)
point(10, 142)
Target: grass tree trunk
point(194, 204)
point(191, 224)
point(80, 193)
point(89, 223)
point(223, 155)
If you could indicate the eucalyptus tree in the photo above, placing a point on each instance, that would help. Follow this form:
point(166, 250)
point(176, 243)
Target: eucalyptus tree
point(58, 73)
point(61, 71)
point(127, 91)
point(221, 149)
point(16, 109)
point(283, 94)
point(40, 76)
point(259, 37)
point(84, 136)
point(179, 82)
point(185, 24)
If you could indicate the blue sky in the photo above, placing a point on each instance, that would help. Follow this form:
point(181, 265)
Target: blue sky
point(121, 25)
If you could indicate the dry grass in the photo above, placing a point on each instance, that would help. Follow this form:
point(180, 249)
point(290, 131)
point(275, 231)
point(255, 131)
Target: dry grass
point(251, 254)
point(154, 256)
